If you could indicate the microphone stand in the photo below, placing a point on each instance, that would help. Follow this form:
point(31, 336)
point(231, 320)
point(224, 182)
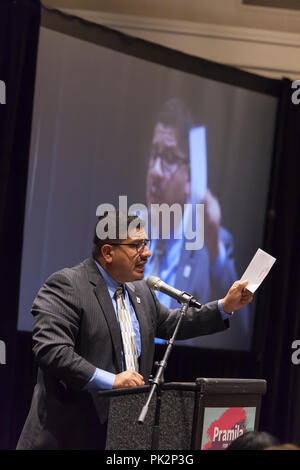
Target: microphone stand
point(158, 379)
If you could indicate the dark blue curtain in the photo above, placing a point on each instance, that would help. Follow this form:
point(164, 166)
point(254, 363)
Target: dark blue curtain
point(278, 316)
point(19, 29)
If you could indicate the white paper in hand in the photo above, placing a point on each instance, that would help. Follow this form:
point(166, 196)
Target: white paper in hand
point(258, 269)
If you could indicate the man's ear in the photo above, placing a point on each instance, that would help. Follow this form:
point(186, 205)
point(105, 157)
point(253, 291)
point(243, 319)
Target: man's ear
point(106, 252)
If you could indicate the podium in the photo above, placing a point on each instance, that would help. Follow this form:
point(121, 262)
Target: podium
point(207, 414)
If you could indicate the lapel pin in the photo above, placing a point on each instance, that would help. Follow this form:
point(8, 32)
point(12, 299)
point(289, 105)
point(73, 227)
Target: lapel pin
point(138, 300)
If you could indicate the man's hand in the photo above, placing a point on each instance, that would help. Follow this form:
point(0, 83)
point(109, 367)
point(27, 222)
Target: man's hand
point(129, 378)
point(236, 297)
point(212, 221)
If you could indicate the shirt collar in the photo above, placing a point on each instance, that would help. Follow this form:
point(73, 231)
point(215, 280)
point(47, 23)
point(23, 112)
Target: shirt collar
point(109, 281)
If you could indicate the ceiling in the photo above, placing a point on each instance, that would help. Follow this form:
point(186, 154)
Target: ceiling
point(258, 14)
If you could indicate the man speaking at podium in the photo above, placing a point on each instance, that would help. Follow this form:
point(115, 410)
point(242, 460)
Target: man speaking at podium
point(94, 329)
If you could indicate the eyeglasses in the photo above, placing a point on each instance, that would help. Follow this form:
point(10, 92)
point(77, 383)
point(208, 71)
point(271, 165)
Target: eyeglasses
point(170, 160)
point(139, 246)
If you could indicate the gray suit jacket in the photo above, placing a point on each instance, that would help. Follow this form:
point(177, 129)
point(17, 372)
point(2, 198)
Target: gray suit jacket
point(75, 331)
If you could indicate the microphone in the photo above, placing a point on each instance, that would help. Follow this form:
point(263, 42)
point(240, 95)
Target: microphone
point(157, 284)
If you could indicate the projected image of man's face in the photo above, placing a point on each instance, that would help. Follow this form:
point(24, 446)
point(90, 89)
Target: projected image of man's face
point(168, 179)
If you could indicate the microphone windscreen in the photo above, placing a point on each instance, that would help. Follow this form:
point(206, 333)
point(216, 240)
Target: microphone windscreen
point(152, 282)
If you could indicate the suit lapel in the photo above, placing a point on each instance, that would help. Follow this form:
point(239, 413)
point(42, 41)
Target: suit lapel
point(107, 308)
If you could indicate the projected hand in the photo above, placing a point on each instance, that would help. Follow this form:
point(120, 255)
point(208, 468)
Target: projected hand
point(212, 220)
point(128, 378)
point(236, 297)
